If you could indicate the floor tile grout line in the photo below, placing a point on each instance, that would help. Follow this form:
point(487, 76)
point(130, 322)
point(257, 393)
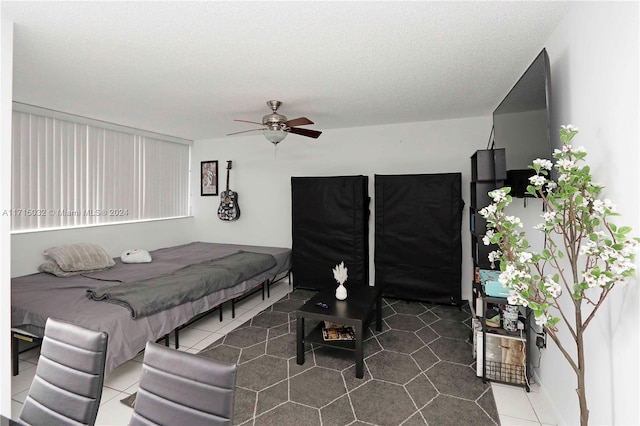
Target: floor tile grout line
point(257, 310)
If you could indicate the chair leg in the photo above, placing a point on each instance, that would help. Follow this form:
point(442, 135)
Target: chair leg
point(14, 354)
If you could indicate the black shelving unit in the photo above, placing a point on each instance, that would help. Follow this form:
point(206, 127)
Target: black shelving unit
point(514, 368)
point(488, 172)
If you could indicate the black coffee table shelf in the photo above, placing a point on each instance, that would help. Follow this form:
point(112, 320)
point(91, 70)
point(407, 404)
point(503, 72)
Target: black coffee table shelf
point(361, 306)
point(315, 337)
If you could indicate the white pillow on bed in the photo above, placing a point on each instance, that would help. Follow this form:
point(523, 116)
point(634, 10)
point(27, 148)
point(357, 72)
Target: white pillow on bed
point(52, 267)
point(80, 257)
point(135, 256)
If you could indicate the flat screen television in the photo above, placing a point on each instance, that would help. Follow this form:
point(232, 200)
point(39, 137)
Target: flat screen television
point(521, 123)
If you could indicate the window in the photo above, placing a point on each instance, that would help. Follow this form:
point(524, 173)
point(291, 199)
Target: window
point(70, 171)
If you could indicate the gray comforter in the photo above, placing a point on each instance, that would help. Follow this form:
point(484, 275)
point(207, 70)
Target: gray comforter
point(190, 283)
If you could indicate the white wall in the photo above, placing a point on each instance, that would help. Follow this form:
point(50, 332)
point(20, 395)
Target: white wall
point(27, 248)
point(594, 74)
point(262, 174)
point(6, 76)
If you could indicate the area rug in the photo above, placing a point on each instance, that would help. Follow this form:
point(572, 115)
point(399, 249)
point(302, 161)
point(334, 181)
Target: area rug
point(419, 370)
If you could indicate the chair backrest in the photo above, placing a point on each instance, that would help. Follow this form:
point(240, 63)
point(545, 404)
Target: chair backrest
point(179, 388)
point(67, 387)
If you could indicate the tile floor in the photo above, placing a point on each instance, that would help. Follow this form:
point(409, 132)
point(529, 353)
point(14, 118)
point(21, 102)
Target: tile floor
point(515, 405)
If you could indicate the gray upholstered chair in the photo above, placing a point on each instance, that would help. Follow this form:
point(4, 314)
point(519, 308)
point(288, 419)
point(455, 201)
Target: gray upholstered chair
point(67, 387)
point(179, 388)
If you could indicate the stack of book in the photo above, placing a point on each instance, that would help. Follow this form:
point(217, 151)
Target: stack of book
point(333, 331)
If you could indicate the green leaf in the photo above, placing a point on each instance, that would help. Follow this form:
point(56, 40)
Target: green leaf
point(624, 229)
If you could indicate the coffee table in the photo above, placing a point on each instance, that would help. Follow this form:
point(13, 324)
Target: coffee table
point(361, 305)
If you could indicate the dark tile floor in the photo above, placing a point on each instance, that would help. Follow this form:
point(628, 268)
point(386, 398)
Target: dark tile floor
point(419, 370)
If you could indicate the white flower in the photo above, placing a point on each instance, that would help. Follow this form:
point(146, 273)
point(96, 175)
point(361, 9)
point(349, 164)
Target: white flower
point(493, 257)
point(621, 266)
point(524, 257)
point(569, 128)
point(488, 211)
point(603, 280)
point(588, 248)
point(487, 237)
point(552, 185)
point(608, 254)
point(498, 195)
point(514, 220)
point(589, 279)
point(542, 320)
point(620, 280)
point(508, 275)
point(566, 164)
point(549, 216)
point(630, 247)
point(585, 201)
point(598, 206)
point(609, 205)
point(340, 273)
point(537, 180)
point(543, 163)
point(552, 287)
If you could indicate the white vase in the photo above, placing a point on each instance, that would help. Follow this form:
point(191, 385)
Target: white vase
point(341, 292)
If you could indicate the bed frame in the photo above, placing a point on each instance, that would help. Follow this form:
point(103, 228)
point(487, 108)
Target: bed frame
point(39, 296)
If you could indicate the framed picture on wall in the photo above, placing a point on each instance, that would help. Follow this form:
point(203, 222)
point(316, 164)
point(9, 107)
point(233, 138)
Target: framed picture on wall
point(209, 177)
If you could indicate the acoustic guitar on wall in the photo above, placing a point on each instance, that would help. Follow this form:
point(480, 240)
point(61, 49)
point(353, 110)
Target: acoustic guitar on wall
point(229, 209)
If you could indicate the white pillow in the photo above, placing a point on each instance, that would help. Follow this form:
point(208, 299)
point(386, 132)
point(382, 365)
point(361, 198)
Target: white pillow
point(52, 267)
point(135, 256)
point(80, 257)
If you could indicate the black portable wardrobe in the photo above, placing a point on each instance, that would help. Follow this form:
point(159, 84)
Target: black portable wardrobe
point(330, 224)
point(418, 249)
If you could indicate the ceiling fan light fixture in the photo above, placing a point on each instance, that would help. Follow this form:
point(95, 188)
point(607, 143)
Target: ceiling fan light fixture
point(275, 136)
point(275, 127)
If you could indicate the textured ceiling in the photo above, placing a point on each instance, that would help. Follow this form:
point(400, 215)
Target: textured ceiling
point(188, 69)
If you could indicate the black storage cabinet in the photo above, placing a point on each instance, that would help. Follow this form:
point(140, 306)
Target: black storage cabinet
point(330, 224)
point(418, 249)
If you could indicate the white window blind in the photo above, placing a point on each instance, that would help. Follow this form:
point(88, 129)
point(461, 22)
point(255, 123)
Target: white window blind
point(72, 172)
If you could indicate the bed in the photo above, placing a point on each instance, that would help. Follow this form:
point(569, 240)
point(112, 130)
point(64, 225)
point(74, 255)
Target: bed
point(36, 297)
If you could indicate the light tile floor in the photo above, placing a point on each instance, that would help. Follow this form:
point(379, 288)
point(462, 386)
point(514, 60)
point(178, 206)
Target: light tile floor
point(515, 405)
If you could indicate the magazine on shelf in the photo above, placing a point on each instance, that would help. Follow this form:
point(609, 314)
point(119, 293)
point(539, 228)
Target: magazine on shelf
point(333, 331)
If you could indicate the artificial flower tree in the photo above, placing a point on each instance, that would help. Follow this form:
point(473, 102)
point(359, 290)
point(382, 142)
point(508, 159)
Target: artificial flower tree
point(584, 255)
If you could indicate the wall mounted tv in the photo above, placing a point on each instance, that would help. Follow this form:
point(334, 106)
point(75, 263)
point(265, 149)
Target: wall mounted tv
point(521, 123)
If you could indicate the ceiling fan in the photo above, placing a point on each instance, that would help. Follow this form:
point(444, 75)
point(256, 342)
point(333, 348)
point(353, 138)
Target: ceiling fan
point(275, 127)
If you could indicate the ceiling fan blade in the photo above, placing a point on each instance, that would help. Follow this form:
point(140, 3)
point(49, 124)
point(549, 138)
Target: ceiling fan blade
point(305, 132)
point(244, 131)
point(247, 121)
point(300, 121)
